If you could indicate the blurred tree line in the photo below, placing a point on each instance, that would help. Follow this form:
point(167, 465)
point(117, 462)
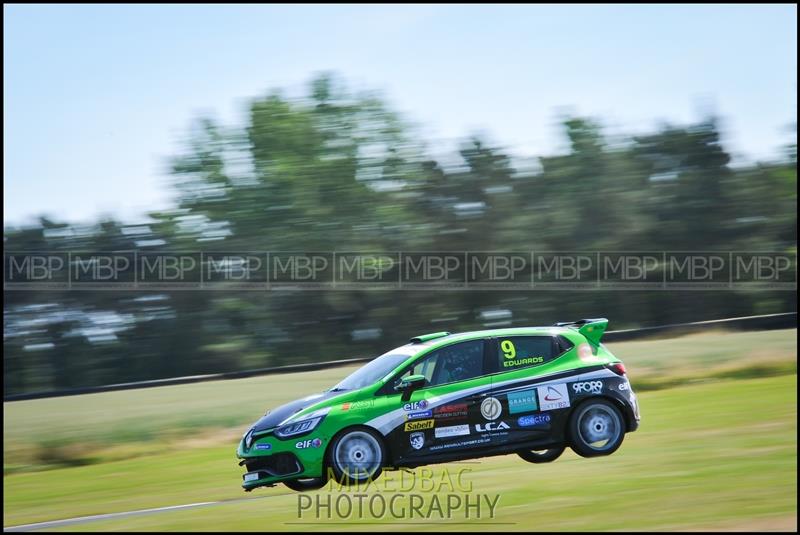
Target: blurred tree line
point(341, 171)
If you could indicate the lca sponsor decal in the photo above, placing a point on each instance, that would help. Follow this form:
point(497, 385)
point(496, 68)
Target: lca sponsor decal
point(553, 397)
point(451, 431)
point(418, 425)
point(588, 387)
point(491, 426)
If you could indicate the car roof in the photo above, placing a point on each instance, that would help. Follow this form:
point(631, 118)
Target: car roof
point(472, 335)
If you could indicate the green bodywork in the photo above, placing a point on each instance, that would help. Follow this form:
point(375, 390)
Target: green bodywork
point(365, 405)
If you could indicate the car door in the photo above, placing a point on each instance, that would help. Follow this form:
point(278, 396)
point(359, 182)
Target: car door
point(527, 411)
point(441, 416)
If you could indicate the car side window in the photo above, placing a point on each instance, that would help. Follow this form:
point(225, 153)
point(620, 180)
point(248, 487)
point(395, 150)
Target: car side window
point(449, 364)
point(517, 352)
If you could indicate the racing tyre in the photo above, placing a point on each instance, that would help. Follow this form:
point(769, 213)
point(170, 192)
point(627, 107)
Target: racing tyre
point(542, 456)
point(596, 427)
point(356, 455)
point(303, 485)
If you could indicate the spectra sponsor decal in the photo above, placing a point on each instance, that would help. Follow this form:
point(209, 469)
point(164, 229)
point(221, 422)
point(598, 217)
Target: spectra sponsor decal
point(310, 443)
point(263, 446)
point(491, 408)
point(451, 431)
point(533, 420)
point(491, 426)
point(416, 406)
point(418, 415)
point(451, 411)
point(588, 387)
point(417, 440)
point(553, 397)
point(418, 425)
point(524, 401)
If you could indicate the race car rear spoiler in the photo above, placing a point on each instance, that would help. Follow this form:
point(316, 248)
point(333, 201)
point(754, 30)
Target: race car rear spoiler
point(592, 328)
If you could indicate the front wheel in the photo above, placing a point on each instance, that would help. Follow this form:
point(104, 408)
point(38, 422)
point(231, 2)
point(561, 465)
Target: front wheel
point(356, 456)
point(596, 428)
point(304, 485)
point(542, 456)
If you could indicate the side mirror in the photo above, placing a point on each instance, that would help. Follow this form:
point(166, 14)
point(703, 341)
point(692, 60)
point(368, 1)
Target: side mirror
point(409, 384)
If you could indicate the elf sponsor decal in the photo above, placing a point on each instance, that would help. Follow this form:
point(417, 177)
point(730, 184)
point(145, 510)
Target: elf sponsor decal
point(450, 411)
point(417, 440)
point(588, 387)
point(491, 408)
point(451, 431)
point(461, 444)
point(418, 425)
point(420, 405)
point(533, 420)
point(418, 415)
point(553, 397)
point(624, 386)
point(491, 426)
point(524, 401)
point(310, 443)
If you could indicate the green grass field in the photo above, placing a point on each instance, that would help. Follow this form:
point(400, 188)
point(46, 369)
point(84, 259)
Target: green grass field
point(718, 454)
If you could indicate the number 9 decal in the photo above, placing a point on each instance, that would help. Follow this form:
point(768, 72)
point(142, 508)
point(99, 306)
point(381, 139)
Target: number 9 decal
point(509, 351)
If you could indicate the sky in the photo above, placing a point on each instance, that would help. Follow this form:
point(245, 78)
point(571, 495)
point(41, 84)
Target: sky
point(96, 98)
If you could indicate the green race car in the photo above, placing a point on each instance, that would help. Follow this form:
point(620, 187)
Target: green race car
point(444, 397)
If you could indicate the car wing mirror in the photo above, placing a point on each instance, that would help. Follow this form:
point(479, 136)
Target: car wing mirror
point(411, 382)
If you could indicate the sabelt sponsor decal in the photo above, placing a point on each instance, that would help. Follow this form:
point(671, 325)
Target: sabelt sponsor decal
point(418, 425)
point(451, 431)
point(553, 397)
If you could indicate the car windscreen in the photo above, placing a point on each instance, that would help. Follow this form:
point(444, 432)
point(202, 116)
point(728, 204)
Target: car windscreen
point(372, 371)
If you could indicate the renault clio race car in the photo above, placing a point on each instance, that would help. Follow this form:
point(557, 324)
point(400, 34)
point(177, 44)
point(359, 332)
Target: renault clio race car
point(443, 397)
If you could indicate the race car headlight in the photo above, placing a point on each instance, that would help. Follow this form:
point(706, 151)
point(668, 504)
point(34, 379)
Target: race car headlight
point(298, 428)
point(248, 438)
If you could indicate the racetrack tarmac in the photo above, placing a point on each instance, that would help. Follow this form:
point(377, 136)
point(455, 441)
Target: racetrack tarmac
point(52, 524)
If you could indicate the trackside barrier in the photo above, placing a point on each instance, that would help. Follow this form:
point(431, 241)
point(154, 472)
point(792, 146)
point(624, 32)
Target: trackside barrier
point(786, 320)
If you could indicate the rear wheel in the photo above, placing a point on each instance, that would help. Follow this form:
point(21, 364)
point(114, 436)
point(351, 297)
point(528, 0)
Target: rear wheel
point(596, 427)
point(357, 455)
point(542, 456)
point(303, 485)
